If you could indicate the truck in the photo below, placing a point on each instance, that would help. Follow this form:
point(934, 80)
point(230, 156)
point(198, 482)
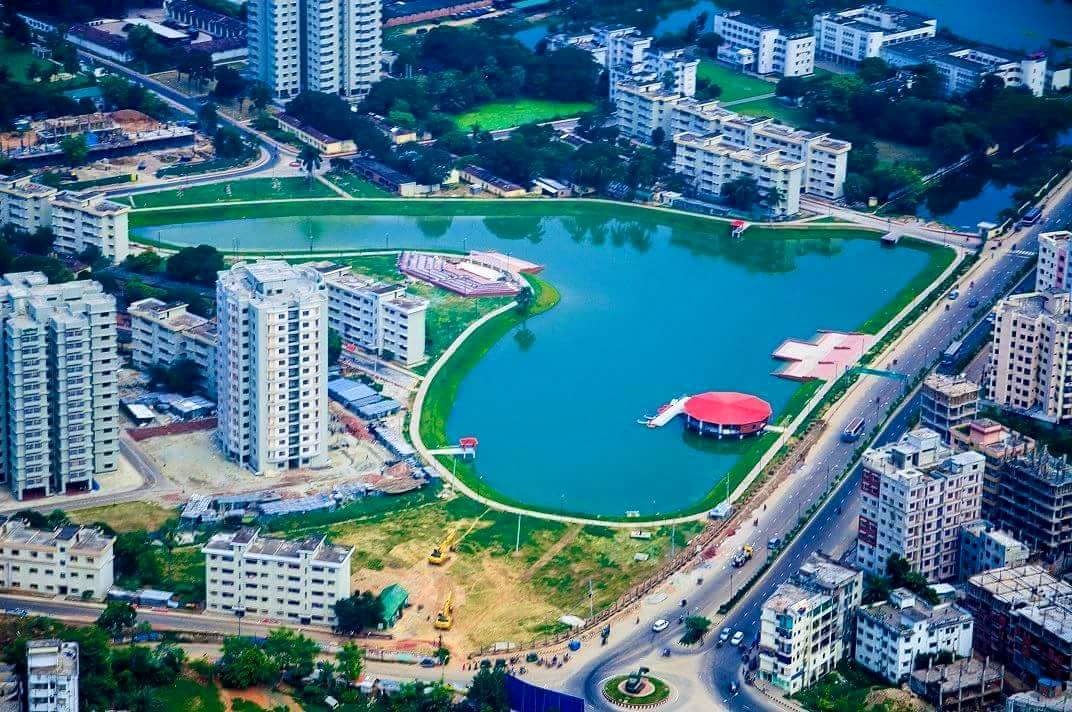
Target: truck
point(743, 556)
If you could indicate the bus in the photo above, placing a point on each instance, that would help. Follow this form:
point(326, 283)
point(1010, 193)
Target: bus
point(949, 356)
point(854, 430)
point(1031, 216)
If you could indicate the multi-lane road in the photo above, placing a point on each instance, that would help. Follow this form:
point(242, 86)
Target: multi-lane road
point(703, 677)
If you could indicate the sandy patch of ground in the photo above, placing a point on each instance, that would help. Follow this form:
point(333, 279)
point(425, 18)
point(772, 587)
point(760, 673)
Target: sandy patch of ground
point(897, 700)
point(266, 699)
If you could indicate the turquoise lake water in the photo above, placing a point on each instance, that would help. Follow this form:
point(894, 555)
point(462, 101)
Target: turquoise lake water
point(648, 312)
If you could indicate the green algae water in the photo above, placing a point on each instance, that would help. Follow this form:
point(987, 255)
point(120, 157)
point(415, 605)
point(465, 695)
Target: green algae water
point(649, 311)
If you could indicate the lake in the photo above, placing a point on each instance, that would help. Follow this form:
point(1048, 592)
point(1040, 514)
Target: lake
point(648, 312)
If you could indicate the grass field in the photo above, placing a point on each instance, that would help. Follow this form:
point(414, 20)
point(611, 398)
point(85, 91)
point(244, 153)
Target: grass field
point(734, 84)
point(777, 109)
point(125, 517)
point(846, 689)
point(187, 695)
point(506, 114)
point(233, 192)
point(16, 59)
point(355, 186)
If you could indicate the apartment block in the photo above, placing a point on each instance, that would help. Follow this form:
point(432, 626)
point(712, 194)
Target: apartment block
point(1054, 261)
point(756, 45)
point(1030, 366)
point(709, 162)
point(51, 676)
point(962, 66)
point(296, 581)
point(916, 494)
point(947, 402)
point(163, 333)
point(984, 547)
point(799, 637)
point(1023, 618)
point(82, 220)
point(330, 46)
point(852, 35)
point(271, 366)
point(844, 586)
point(890, 635)
point(1035, 502)
point(68, 561)
point(59, 422)
point(377, 317)
point(999, 446)
point(25, 204)
point(10, 689)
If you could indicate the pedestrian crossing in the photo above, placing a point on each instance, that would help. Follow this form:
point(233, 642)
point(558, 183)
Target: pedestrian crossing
point(1022, 253)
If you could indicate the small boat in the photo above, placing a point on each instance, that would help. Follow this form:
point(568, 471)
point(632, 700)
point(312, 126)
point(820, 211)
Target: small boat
point(643, 421)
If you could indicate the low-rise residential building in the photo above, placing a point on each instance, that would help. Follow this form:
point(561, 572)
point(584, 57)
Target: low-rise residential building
point(1035, 502)
point(962, 66)
point(377, 317)
point(709, 162)
point(1023, 619)
point(947, 402)
point(59, 420)
point(51, 676)
point(984, 547)
point(322, 142)
point(68, 561)
point(26, 205)
point(964, 684)
point(999, 446)
point(890, 635)
point(852, 35)
point(163, 333)
point(295, 581)
point(754, 44)
point(916, 494)
point(1030, 365)
point(1054, 261)
point(799, 637)
point(486, 180)
point(82, 220)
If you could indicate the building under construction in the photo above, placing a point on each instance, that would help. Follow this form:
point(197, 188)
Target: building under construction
point(968, 684)
point(1023, 619)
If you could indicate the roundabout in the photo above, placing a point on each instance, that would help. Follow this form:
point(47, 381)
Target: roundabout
point(638, 690)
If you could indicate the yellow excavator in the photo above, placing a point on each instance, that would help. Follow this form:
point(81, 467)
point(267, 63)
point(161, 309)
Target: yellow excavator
point(445, 618)
point(441, 552)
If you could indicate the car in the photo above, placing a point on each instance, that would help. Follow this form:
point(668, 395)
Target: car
point(295, 164)
point(774, 542)
point(428, 662)
point(659, 626)
point(973, 302)
point(735, 641)
point(725, 635)
point(954, 294)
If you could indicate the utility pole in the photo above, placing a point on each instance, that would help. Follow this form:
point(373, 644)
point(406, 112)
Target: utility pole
point(591, 601)
point(673, 540)
point(517, 543)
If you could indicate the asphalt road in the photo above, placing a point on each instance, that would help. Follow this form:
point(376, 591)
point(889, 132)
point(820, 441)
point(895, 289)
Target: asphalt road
point(702, 676)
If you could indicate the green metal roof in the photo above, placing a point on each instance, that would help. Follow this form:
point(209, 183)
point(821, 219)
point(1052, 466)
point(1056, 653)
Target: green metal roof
point(392, 599)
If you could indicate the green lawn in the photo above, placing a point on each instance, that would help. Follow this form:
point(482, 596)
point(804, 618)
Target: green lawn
point(355, 186)
point(845, 689)
point(775, 108)
point(16, 59)
point(187, 695)
point(233, 192)
point(506, 114)
point(734, 84)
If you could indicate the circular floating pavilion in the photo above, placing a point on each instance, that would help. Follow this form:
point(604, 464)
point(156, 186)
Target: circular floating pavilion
point(723, 414)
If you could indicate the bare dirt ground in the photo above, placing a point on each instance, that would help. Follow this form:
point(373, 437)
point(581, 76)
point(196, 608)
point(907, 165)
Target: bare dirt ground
point(897, 700)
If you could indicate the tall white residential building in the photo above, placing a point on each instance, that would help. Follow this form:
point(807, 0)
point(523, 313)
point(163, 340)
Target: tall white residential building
point(890, 635)
point(1054, 261)
point(82, 220)
point(962, 66)
point(377, 317)
point(1030, 366)
point(916, 494)
point(25, 204)
point(947, 402)
point(330, 46)
point(806, 626)
point(271, 366)
point(51, 676)
point(643, 107)
point(296, 581)
point(754, 44)
point(708, 162)
point(68, 561)
point(163, 333)
point(858, 33)
point(59, 423)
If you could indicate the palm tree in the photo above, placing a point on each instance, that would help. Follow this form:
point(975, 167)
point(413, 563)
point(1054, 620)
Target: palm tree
point(309, 158)
point(775, 197)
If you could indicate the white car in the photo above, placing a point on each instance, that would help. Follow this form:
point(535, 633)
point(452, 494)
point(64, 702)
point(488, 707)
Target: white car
point(659, 626)
point(735, 641)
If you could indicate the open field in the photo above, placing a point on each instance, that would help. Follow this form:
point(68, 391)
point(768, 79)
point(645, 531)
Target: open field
point(233, 191)
point(187, 695)
point(776, 109)
point(506, 114)
point(125, 517)
point(355, 186)
point(16, 59)
point(734, 84)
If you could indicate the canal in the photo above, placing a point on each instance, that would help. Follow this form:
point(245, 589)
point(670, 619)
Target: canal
point(649, 311)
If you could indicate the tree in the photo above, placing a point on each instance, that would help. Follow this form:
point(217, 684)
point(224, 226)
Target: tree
point(244, 664)
point(229, 83)
point(658, 136)
point(75, 149)
point(351, 660)
point(117, 618)
point(260, 94)
point(525, 299)
point(791, 87)
point(775, 197)
point(180, 376)
point(741, 193)
point(292, 652)
point(696, 628)
point(309, 158)
point(199, 66)
point(873, 69)
point(199, 264)
point(487, 691)
point(900, 575)
point(147, 262)
point(334, 347)
point(709, 42)
point(228, 143)
point(208, 118)
point(358, 612)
